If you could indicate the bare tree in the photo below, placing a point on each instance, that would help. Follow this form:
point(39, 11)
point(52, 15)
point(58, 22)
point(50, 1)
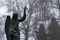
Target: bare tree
point(54, 29)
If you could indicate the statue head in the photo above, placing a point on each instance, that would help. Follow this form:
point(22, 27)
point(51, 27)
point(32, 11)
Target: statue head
point(8, 18)
point(15, 16)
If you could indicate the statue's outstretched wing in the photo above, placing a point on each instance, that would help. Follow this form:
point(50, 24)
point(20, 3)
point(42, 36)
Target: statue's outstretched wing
point(7, 25)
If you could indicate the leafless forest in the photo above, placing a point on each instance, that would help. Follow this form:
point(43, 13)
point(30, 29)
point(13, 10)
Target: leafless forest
point(42, 18)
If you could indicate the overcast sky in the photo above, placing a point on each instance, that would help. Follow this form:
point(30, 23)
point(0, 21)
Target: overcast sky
point(3, 10)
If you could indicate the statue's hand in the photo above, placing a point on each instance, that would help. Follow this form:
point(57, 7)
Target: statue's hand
point(25, 8)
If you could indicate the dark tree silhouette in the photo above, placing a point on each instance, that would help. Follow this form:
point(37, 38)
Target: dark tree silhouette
point(7, 25)
point(41, 35)
point(54, 29)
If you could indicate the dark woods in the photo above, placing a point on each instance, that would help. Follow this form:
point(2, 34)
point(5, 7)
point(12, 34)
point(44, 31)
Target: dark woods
point(41, 35)
point(53, 31)
point(11, 26)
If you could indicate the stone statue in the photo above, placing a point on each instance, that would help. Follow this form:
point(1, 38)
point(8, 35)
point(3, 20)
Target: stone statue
point(13, 26)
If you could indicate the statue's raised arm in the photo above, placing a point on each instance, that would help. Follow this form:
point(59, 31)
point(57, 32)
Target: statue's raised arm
point(24, 16)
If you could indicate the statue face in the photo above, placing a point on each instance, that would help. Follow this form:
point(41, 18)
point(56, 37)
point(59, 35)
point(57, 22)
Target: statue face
point(15, 16)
